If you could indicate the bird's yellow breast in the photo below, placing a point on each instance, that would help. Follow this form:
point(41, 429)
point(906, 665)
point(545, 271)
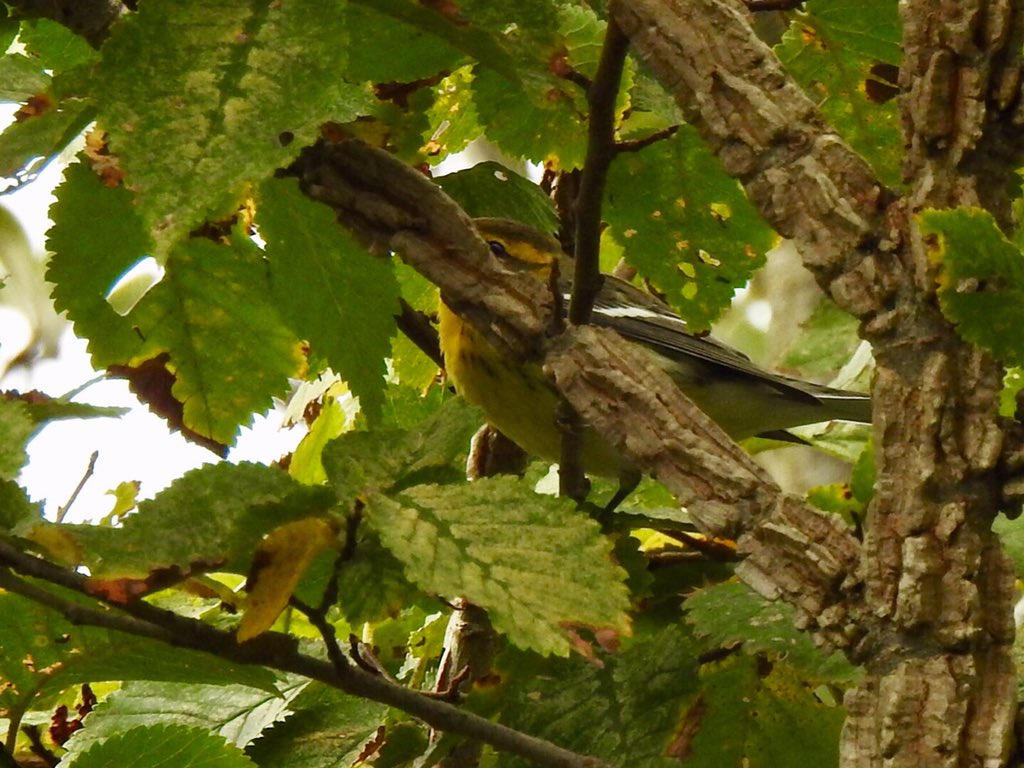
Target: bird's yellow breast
point(517, 398)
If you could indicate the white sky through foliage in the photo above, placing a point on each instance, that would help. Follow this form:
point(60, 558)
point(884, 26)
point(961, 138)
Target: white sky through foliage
point(138, 446)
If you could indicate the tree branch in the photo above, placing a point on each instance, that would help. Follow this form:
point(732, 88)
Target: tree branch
point(773, 5)
point(600, 153)
point(418, 329)
point(587, 278)
point(271, 650)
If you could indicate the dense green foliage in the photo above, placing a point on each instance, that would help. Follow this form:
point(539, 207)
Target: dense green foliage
point(620, 642)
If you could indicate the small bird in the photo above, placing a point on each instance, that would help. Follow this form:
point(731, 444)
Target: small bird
point(519, 401)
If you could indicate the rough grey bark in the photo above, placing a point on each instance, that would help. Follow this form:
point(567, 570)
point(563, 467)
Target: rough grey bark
point(935, 628)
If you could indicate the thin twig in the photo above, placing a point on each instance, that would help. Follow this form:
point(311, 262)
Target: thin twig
point(270, 649)
point(36, 746)
point(575, 76)
point(600, 153)
point(635, 145)
point(587, 275)
point(319, 620)
point(365, 659)
point(63, 511)
point(318, 616)
point(67, 396)
point(773, 5)
point(420, 331)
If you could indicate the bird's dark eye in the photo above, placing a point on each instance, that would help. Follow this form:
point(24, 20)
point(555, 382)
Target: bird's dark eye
point(498, 249)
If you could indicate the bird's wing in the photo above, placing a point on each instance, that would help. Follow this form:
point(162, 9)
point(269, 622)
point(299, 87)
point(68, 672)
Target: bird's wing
point(641, 317)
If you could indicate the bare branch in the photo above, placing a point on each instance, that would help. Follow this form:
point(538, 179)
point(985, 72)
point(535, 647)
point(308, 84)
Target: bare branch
point(600, 153)
point(587, 279)
point(773, 5)
point(418, 329)
point(62, 511)
point(635, 145)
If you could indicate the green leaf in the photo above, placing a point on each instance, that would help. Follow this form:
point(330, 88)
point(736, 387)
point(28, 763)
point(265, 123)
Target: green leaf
point(43, 408)
point(691, 231)
point(8, 29)
point(528, 22)
point(1011, 534)
point(535, 563)
point(201, 99)
point(210, 517)
point(869, 29)
point(491, 189)
point(17, 511)
point(84, 269)
point(1013, 383)
point(164, 746)
point(770, 721)
point(844, 440)
point(21, 77)
point(452, 117)
point(445, 33)
point(329, 290)
point(402, 41)
point(27, 146)
point(329, 730)
point(981, 287)
point(624, 707)
point(57, 47)
point(205, 314)
point(730, 613)
point(543, 118)
point(839, 49)
point(236, 713)
point(364, 462)
point(827, 340)
point(212, 302)
point(862, 481)
point(373, 564)
point(583, 32)
point(651, 109)
point(305, 465)
point(16, 427)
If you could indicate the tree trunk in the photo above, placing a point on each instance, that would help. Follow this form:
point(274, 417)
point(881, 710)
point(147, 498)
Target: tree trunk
point(933, 597)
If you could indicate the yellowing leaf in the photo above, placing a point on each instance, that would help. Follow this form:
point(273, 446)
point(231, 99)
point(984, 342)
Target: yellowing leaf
point(279, 562)
point(61, 546)
point(306, 466)
point(125, 500)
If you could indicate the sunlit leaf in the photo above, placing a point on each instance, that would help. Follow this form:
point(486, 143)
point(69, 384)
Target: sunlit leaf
point(533, 562)
point(200, 100)
point(330, 291)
